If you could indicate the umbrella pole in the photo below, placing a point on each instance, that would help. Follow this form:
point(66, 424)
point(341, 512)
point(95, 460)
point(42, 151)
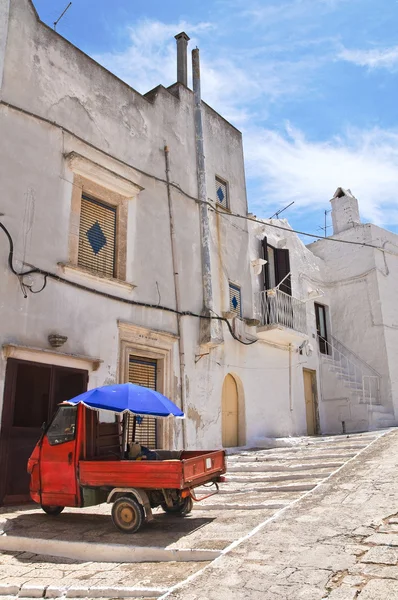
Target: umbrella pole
point(134, 428)
point(125, 432)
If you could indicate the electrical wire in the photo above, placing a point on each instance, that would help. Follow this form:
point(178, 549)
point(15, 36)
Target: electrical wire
point(288, 229)
point(48, 274)
point(178, 188)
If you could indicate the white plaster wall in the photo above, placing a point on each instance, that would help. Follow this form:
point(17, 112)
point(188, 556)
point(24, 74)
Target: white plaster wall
point(102, 117)
point(99, 114)
point(361, 292)
point(4, 13)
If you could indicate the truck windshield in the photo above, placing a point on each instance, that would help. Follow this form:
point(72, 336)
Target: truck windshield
point(63, 426)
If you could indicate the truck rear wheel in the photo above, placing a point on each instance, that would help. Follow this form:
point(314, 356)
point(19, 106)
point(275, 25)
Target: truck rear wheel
point(127, 515)
point(183, 507)
point(52, 510)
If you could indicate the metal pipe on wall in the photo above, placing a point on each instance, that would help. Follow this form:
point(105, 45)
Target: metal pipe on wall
point(202, 189)
point(181, 348)
point(290, 379)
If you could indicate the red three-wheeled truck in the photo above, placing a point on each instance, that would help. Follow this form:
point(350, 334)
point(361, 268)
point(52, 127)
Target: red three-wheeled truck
point(80, 461)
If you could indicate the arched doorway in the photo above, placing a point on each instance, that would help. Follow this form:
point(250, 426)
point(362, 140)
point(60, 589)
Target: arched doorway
point(233, 429)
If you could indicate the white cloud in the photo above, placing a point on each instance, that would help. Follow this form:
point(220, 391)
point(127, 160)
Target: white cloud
point(373, 59)
point(287, 167)
point(150, 56)
point(236, 82)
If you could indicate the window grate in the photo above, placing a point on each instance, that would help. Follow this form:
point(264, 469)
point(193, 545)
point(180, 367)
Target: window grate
point(97, 237)
point(143, 372)
point(235, 299)
point(222, 192)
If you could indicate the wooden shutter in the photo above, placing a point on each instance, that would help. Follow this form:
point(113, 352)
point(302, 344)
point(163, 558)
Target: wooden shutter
point(235, 299)
point(282, 269)
point(97, 237)
point(222, 192)
point(143, 372)
point(266, 267)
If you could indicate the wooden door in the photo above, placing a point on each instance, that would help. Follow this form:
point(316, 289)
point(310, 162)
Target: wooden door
point(32, 392)
point(230, 413)
point(310, 401)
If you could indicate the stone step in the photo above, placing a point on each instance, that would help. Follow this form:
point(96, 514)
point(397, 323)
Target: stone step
point(280, 468)
point(254, 478)
point(321, 446)
point(240, 459)
point(258, 486)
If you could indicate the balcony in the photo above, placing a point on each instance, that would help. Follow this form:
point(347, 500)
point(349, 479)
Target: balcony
point(283, 318)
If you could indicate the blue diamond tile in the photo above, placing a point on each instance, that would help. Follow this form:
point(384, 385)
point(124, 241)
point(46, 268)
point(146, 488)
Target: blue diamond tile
point(220, 194)
point(234, 302)
point(96, 237)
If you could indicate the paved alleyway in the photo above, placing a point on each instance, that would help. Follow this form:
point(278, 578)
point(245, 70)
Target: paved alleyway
point(280, 559)
point(338, 543)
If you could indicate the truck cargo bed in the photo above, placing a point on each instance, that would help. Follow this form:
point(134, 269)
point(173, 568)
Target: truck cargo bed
point(193, 468)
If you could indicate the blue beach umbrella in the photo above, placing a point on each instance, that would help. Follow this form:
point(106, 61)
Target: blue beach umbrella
point(128, 397)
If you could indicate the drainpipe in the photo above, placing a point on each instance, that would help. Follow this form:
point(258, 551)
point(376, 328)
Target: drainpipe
point(181, 349)
point(210, 330)
point(182, 58)
point(290, 379)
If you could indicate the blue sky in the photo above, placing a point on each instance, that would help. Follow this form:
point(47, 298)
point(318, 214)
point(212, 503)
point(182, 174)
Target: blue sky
point(312, 84)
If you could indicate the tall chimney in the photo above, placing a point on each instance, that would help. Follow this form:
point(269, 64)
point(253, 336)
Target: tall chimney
point(345, 210)
point(182, 60)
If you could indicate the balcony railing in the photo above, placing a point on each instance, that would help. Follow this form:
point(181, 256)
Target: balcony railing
point(278, 308)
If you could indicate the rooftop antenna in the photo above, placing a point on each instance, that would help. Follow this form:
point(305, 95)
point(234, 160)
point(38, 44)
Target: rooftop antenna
point(326, 226)
point(278, 212)
point(60, 17)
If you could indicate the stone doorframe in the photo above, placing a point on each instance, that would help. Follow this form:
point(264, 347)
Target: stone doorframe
point(162, 347)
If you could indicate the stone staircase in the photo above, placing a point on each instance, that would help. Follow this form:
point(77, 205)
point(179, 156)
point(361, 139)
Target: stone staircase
point(347, 377)
point(268, 480)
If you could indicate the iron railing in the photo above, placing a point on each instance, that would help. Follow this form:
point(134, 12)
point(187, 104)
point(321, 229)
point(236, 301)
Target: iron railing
point(278, 308)
point(355, 373)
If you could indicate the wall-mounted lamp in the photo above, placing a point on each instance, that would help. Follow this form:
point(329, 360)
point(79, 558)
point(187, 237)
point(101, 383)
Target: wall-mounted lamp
point(313, 294)
point(257, 265)
point(56, 340)
point(306, 347)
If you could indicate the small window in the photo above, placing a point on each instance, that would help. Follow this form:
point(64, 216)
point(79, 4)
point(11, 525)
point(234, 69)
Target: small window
point(63, 426)
point(222, 192)
point(97, 237)
point(235, 299)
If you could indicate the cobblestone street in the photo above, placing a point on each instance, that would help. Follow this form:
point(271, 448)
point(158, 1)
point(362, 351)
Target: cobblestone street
point(265, 486)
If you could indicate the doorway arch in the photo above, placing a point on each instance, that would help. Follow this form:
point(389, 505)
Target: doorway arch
point(233, 412)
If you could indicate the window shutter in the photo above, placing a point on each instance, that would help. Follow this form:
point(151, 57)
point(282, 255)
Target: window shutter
point(143, 372)
point(282, 269)
point(97, 237)
point(265, 268)
point(235, 299)
point(222, 192)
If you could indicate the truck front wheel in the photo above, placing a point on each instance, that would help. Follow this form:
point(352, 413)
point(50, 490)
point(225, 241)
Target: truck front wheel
point(127, 515)
point(52, 510)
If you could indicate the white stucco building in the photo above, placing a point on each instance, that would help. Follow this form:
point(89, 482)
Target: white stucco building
point(119, 241)
point(357, 368)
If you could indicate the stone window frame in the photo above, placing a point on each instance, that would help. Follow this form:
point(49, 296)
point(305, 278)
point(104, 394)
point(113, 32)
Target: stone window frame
point(99, 183)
